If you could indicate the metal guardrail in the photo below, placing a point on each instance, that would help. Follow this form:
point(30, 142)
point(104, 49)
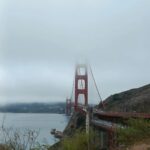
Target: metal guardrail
point(121, 114)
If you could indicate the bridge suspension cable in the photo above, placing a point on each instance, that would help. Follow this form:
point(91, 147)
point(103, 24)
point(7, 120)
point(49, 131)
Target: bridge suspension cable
point(96, 85)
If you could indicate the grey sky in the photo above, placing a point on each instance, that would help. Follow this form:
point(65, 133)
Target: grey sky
point(41, 40)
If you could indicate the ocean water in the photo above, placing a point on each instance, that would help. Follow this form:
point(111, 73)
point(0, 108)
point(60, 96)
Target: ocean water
point(39, 122)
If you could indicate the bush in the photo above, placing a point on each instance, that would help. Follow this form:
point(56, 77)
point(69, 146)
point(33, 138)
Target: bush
point(16, 139)
point(80, 140)
point(136, 130)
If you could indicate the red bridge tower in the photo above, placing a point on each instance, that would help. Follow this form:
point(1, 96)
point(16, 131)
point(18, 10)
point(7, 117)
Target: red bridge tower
point(81, 86)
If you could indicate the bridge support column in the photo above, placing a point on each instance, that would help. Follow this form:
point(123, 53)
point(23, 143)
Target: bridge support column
point(81, 86)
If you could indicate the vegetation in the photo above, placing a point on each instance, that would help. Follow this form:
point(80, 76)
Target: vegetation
point(134, 100)
point(137, 130)
point(80, 140)
point(16, 139)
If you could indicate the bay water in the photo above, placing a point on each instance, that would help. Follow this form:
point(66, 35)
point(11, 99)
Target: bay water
point(35, 121)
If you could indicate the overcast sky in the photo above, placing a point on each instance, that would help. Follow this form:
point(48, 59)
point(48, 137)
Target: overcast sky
point(41, 40)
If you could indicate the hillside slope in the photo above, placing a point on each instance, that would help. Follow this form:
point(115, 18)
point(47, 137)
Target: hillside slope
point(134, 100)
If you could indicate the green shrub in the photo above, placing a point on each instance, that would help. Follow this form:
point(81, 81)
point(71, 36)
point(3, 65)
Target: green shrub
point(136, 130)
point(79, 141)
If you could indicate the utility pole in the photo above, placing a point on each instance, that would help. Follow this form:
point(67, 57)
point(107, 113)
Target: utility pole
point(87, 125)
point(87, 122)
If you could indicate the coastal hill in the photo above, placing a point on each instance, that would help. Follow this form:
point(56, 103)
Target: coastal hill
point(34, 108)
point(134, 100)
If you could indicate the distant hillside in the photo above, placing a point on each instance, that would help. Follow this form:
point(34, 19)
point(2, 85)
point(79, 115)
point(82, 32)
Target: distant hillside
point(134, 100)
point(34, 108)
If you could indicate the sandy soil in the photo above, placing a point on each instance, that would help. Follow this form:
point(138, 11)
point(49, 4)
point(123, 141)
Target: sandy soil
point(141, 147)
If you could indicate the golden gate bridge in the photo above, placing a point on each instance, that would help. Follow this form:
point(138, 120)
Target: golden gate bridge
point(97, 117)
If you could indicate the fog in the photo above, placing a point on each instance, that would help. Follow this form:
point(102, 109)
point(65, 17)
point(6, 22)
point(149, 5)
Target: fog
point(41, 41)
